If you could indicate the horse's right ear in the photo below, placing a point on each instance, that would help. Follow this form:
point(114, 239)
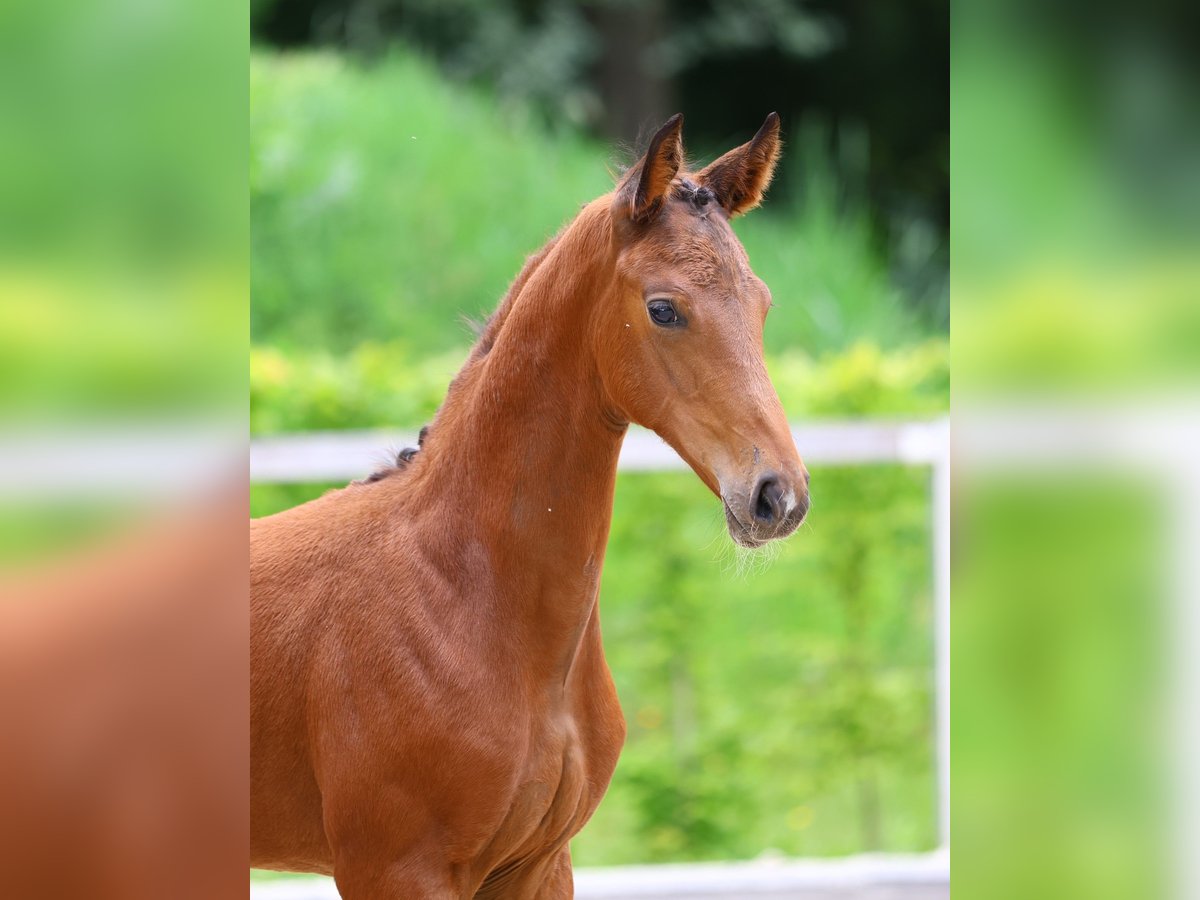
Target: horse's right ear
point(642, 190)
point(741, 176)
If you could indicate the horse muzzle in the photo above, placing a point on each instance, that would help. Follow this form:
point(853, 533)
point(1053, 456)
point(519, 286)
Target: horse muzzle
point(772, 508)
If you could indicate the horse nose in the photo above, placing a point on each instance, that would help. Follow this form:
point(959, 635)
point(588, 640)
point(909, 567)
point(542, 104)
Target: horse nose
point(774, 501)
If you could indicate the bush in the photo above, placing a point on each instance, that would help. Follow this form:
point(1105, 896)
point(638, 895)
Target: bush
point(388, 385)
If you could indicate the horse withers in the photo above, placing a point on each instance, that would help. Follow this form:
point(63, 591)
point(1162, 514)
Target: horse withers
point(432, 714)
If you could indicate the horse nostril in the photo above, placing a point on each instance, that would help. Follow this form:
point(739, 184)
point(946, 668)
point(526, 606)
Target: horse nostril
point(768, 501)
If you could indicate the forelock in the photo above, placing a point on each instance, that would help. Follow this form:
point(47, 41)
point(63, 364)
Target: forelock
point(693, 235)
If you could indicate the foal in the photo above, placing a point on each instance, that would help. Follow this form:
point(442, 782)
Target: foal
point(432, 715)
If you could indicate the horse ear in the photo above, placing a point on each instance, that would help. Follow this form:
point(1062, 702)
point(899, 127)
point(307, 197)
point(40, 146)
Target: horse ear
point(645, 185)
point(740, 177)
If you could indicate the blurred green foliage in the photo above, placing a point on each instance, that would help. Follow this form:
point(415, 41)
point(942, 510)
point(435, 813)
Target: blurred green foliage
point(874, 74)
point(79, 345)
point(388, 384)
point(782, 704)
point(1061, 670)
point(387, 202)
point(562, 41)
point(1076, 268)
point(124, 232)
point(1076, 205)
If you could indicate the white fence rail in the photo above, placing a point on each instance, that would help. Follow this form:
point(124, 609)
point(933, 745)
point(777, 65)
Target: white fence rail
point(337, 455)
point(917, 877)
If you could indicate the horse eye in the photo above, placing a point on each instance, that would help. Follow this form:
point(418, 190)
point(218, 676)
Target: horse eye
point(663, 312)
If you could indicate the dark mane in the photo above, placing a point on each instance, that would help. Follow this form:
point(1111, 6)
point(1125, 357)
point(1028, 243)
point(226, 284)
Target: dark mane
point(403, 458)
point(492, 325)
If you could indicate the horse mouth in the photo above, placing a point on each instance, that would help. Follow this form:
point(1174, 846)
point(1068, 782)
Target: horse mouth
point(742, 536)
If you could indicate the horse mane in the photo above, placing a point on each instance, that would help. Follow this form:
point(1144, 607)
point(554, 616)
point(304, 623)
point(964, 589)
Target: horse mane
point(485, 340)
point(494, 322)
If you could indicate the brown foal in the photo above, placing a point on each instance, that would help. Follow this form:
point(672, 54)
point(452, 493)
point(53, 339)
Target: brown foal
point(432, 714)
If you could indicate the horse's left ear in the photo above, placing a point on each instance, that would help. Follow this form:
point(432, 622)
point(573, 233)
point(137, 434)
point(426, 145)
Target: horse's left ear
point(740, 177)
point(641, 192)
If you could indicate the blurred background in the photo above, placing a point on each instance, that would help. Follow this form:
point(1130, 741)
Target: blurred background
point(406, 156)
point(403, 158)
point(123, 318)
point(1076, 286)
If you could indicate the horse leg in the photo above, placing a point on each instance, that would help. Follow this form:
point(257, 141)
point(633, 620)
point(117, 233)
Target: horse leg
point(549, 878)
point(560, 883)
point(412, 879)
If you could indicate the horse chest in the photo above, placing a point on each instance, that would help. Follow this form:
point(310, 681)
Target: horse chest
point(555, 790)
point(571, 750)
point(562, 781)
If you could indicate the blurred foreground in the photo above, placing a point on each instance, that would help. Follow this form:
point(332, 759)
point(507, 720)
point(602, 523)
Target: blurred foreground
point(123, 694)
point(1076, 304)
point(123, 626)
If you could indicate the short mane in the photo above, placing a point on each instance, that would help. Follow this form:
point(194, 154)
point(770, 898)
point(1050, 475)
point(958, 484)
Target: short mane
point(483, 344)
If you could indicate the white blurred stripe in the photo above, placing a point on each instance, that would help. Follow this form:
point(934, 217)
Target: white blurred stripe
point(113, 460)
point(916, 877)
point(1153, 434)
point(345, 455)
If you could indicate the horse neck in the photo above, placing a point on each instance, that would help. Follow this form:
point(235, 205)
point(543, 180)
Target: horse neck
point(523, 450)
